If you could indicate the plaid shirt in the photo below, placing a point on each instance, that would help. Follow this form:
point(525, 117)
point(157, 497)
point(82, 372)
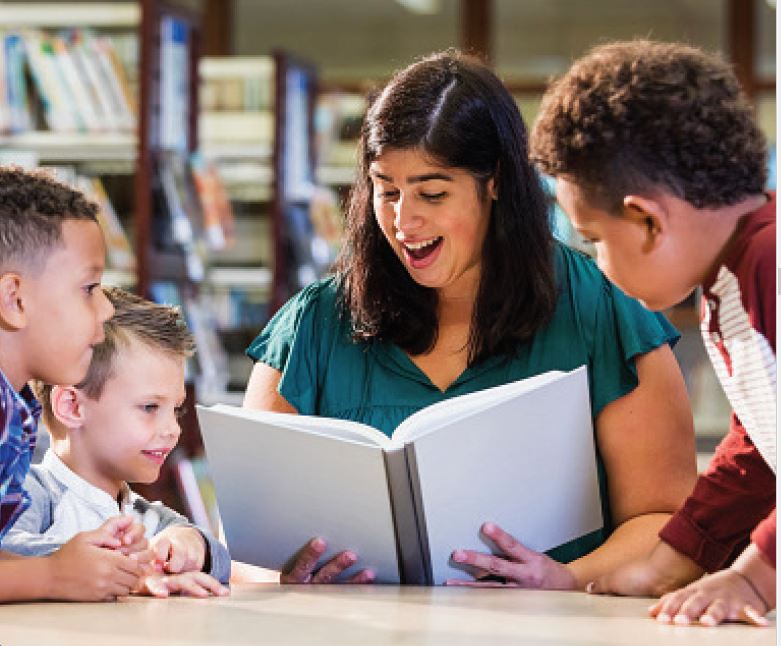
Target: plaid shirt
point(19, 413)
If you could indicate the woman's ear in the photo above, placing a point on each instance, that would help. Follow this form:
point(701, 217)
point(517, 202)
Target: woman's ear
point(492, 187)
point(67, 406)
point(12, 312)
point(651, 215)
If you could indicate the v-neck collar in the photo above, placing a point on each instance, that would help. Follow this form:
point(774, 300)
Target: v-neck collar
point(395, 359)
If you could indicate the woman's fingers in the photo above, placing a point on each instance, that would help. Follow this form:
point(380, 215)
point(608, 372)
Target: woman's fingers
point(305, 562)
point(335, 567)
point(364, 576)
point(507, 543)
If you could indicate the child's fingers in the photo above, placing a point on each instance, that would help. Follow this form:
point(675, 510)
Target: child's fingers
point(715, 613)
point(691, 609)
point(156, 587)
point(184, 584)
point(177, 560)
point(669, 605)
point(161, 549)
point(210, 584)
point(133, 538)
point(752, 616)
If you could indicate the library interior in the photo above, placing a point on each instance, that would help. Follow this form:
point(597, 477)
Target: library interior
point(219, 139)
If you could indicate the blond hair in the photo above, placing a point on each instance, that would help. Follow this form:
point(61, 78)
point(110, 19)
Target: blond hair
point(160, 327)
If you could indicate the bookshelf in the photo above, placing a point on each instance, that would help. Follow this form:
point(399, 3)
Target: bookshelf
point(167, 221)
point(67, 86)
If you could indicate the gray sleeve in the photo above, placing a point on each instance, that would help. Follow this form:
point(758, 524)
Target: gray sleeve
point(217, 556)
point(27, 536)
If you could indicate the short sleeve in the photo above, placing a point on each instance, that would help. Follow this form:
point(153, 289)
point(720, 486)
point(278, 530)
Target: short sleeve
point(291, 343)
point(616, 328)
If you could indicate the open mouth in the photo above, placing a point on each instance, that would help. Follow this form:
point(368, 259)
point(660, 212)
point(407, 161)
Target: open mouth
point(418, 251)
point(157, 456)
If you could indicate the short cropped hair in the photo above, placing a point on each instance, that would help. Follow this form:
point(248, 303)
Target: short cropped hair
point(33, 207)
point(639, 116)
point(160, 327)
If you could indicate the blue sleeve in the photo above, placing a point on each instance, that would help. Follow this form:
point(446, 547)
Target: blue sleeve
point(27, 536)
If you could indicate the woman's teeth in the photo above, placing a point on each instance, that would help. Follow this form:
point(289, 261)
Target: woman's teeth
point(415, 246)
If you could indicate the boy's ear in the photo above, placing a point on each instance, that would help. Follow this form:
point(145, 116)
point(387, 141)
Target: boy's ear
point(12, 312)
point(651, 215)
point(67, 406)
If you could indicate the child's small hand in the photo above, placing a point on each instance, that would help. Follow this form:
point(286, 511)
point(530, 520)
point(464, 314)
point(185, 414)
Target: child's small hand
point(133, 539)
point(192, 584)
point(179, 549)
point(722, 596)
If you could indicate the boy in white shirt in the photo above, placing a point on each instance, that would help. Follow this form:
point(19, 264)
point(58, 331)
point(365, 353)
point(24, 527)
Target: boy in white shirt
point(118, 426)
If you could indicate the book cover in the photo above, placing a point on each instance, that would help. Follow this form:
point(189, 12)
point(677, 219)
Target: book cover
point(513, 455)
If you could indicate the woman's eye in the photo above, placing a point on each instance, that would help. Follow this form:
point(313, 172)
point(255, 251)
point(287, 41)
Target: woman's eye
point(387, 195)
point(433, 197)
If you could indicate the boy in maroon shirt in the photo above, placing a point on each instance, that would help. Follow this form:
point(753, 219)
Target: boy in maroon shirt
point(660, 164)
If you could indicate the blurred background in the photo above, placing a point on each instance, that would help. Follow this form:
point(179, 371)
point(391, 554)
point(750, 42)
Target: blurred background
point(218, 137)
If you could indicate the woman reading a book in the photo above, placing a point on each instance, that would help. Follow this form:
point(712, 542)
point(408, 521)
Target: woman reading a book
point(450, 282)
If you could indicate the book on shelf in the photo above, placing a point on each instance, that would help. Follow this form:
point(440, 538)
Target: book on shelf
point(118, 248)
point(521, 455)
point(15, 115)
point(218, 220)
point(78, 80)
point(174, 84)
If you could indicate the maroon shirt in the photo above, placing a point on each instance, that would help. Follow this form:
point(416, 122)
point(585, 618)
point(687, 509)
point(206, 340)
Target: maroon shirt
point(735, 497)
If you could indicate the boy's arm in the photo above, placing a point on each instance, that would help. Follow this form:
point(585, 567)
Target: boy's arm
point(27, 536)
point(731, 497)
point(89, 567)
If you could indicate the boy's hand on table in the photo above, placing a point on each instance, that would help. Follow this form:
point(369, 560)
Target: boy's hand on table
point(663, 570)
point(191, 584)
point(85, 570)
point(745, 592)
point(179, 549)
point(305, 570)
point(522, 567)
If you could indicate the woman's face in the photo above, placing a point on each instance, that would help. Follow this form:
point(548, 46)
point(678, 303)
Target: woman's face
point(433, 217)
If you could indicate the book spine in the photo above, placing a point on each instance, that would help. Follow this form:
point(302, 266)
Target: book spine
point(419, 514)
point(409, 547)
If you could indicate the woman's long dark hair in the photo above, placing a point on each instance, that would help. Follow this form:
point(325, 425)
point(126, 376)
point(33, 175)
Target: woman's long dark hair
point(456, 111)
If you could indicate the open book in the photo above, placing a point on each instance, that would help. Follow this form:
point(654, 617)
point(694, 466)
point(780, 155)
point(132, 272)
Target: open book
point(521, 455)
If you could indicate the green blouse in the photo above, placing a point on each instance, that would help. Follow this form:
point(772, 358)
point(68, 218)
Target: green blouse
point(325, 373)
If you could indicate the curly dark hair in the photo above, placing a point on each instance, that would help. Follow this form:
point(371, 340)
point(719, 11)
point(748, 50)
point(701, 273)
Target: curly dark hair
point(33, 207)
point(160, 327)
point(455, 110)
point(638, 115)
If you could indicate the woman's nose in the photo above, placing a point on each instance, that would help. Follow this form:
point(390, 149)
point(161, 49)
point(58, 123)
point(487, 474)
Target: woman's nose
point(406, 218)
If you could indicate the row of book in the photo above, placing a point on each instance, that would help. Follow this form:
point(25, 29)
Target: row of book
point(72, 81)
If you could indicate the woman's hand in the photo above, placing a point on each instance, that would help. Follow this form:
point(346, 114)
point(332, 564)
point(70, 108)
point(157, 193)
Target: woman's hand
point(523, 568)
point(305, 570)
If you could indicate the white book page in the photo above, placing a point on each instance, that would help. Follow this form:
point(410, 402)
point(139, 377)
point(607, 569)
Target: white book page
point(435, 416)
point(326, 426)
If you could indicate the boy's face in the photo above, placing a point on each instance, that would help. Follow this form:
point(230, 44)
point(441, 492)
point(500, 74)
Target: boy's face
point(629, 253)
point(65, 308)
point(127, 433)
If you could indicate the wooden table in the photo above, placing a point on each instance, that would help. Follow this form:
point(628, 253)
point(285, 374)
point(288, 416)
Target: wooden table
point(360, 615)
